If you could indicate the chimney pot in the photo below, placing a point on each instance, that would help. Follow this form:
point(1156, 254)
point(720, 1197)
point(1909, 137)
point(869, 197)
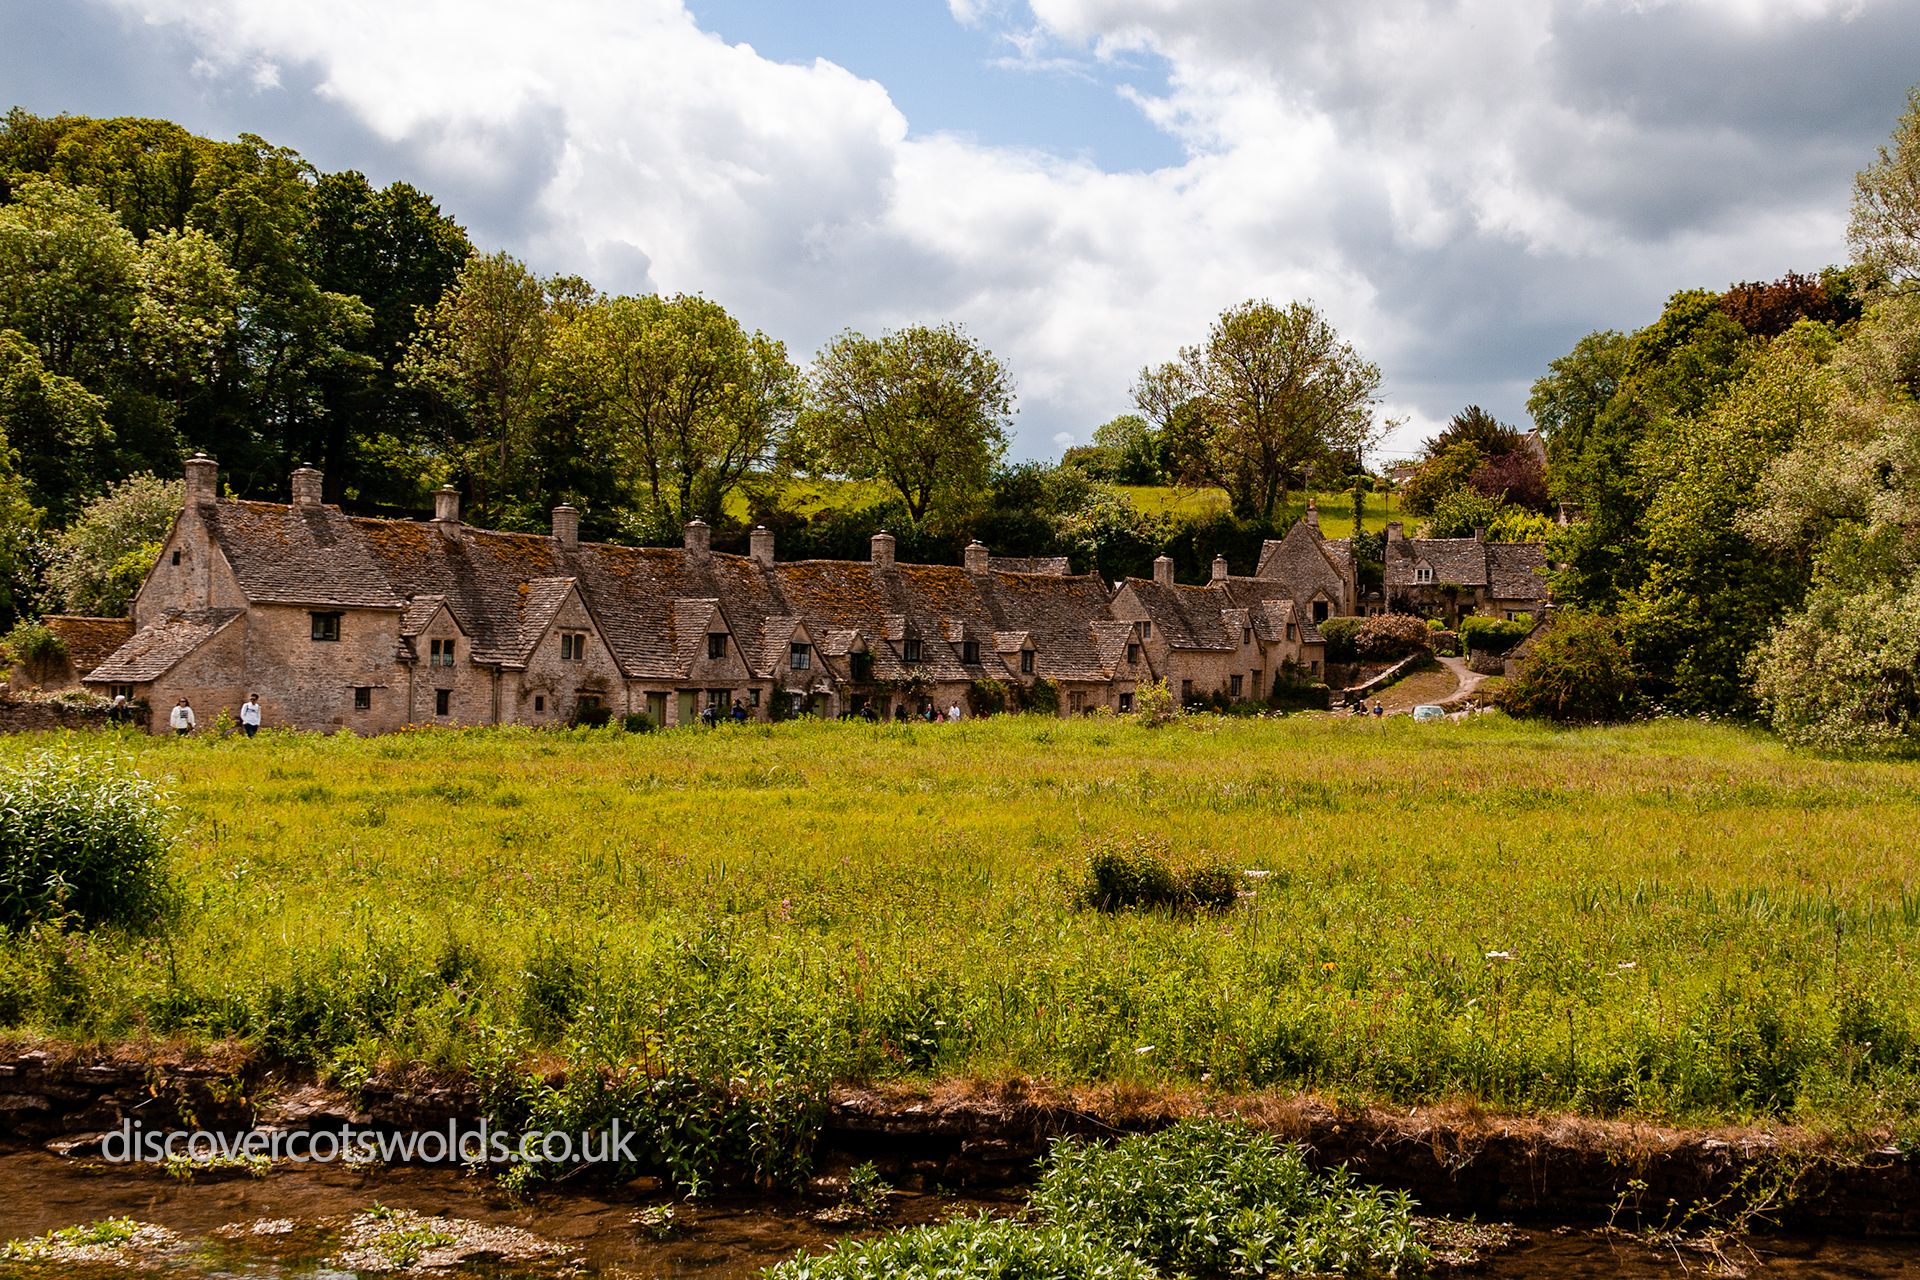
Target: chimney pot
point(1479, 533)
point(203, 480)
point(566, 525)
point(976, 557)
point(306, 486)
point(1163, 570)
point(883, 549)
point(760, 542)
point(1219, 569)
point(1395, 531)
point(446, 505)
point(1313, 514)
point(699, 538)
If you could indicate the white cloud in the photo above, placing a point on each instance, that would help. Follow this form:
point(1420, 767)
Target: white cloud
point(1463, 188)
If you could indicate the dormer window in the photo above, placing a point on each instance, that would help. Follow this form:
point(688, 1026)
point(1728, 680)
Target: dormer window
point(800, 657)
point(1423, 574)
point(1146, 631)
point(440, 653)
point(910, 651)
point(573, 646)
point(1026, 662)
point(861, 664)
point(1246, 635)
point(716, 645)
point(326, 627)
point(970, 652)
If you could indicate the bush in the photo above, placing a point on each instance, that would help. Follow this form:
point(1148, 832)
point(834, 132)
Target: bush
point(1139, 873)
point(1388, 637)
point(1210, 1198)
point(1295, 690)
point(980, 1248)
point(1339, 634)
point(591, 717)
point(1578, 672)
point(81, 836)
point(641, 722)
point(1446, 644)
point(1155, 704)
point(1494, 635)
point(36, 648)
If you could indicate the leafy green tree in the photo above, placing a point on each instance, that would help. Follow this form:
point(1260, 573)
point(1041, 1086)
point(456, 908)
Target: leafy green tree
point(1579, 671)
point(97, 563)
point(69, 279)
point(60, 424)
point(1442, 476)
point(1272, 393)
point(1474, 425)
point(483, 353)
point(1134, 446)
point(19, 529)
point(687, 400)
point(1461, 512)
point(1843, 674)
point(1884, 231)
point(924, 409)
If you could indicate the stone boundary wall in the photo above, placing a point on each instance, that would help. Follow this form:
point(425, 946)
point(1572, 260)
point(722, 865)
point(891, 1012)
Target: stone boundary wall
point(28, 715)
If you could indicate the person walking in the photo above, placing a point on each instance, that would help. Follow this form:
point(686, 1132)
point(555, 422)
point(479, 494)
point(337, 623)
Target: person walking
point(953, 713)
point(119, 712)
point(182, 718)
point(250, 715)
point(739, 712)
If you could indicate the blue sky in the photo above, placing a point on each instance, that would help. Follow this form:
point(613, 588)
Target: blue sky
point(1463, 188)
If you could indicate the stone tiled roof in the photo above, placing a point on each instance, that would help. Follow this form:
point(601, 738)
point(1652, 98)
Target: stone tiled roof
point(1456, 560)
point(153, 650)
point(1185, 617)
point(420, 611)
point(1308, 564)
point(1110, 640)
point(89, 641)
point(1057, 566)
point(1517, 570)
point(299, 555)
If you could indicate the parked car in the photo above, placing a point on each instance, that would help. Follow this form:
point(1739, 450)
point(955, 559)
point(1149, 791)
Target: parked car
point(1429, 711)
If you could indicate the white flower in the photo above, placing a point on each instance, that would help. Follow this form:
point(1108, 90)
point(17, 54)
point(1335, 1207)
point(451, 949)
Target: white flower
point(1142, 1051)
point(1499, 955)
point(1256, 874)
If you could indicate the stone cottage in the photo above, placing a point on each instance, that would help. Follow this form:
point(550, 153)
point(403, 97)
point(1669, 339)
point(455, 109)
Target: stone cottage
point(1456, 576)
point(1230, 638)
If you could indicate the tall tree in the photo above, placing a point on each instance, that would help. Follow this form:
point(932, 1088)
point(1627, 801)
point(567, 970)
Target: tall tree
point(483, 352)
point(1885, 228)
point(923, 409)
point(687, 400)
point(1272, 392)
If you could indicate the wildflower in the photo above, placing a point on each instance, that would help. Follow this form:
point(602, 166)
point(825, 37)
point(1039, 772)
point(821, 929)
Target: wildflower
point(1329, 966)
point(1256, 874)
point(1628, 964)
point(1141, 1051)
point(1499, 955)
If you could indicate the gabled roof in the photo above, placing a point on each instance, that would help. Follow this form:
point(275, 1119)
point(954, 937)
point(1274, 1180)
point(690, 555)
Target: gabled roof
point(1185, 617)
point(1457, 560)
point(298, 555)
point(1517, 570)
point(89, 641)
point(154, 650)
point(420, 613)
point(1307, 563)
point(1110, 640)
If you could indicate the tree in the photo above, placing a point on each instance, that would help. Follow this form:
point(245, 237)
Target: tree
point(1461, 512)
point(688, 401)
point(98, 562)
point(483, 352)
point(1492, 437)
point(1578, 672)
point(1884, 231)
point(59, 423)
point(923, 409)
point(1272, 392)
point(1441, 476)
point(1134, 446)
point(19, 526)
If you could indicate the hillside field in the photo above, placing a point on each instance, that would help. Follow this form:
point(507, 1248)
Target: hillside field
point(1669, 920)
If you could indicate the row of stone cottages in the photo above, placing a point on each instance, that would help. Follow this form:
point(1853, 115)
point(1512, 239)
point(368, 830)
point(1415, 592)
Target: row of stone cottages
point(372, 625)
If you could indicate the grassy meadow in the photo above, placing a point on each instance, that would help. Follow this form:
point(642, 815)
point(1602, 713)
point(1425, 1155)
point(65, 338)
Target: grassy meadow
point(1668, 920)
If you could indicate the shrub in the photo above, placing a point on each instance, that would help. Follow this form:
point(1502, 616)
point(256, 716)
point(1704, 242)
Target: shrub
point(1495, 635)
point(1578, 672)
point(1446, 644)
point(1042, 697)
point(980, 1248)
point(36, 648)
point(641, 722)
point(593, 717)
point(1339, 634)
point(1212, 1198)
point(80, 835)
point(1295, 690)
point(1139, 873)
point(1155, 704)
point(1389, 637)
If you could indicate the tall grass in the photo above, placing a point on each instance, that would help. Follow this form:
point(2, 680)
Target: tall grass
point(1669, 920)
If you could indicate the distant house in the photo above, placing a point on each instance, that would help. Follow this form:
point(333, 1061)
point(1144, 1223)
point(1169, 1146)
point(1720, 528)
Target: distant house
point(1230, 638)
point(1452, 576)
point(371, 625)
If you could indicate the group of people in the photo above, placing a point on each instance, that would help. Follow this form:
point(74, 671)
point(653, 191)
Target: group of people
point(928, 714)
point(182, 720)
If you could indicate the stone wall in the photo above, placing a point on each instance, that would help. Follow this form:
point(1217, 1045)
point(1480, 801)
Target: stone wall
point(29, 715)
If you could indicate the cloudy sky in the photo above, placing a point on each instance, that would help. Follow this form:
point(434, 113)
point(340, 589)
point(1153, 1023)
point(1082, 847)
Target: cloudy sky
point(1464, 186)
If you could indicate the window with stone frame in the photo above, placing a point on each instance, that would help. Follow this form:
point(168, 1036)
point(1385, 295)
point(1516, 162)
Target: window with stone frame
point(970, 652)
point(799, 657)
point(1126, 703)
point(716, 645)
point(1233, 686)
point(363, 698)
point(326, 627)
point(1133, 654)
point(573, 646)
point(440, 653)
point(910, 649)
point(861, 665)
point(1423, 574)
point(1026, 662)
point(442, 702)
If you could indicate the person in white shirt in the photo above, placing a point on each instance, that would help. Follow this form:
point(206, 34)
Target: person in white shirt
point(953, 713)
point(182, 718)
point(250, 715)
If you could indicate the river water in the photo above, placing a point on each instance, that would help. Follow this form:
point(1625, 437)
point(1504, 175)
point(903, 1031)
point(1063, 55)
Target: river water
point(602, 1233)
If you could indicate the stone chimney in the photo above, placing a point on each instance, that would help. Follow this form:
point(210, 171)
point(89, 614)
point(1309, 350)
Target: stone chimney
point(883, 549)
point(203, 480)
point(699, 539)
point(446, 505)
point(760, 544)
point(976, 557)
point(566, 526)
point(306, 486)
point(1479, 533)
point(1395, 532)
point(1163, 570)
point(1219, 569)
point(1313, 514)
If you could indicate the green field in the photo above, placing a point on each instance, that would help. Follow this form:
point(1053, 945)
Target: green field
point(1670, 920)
